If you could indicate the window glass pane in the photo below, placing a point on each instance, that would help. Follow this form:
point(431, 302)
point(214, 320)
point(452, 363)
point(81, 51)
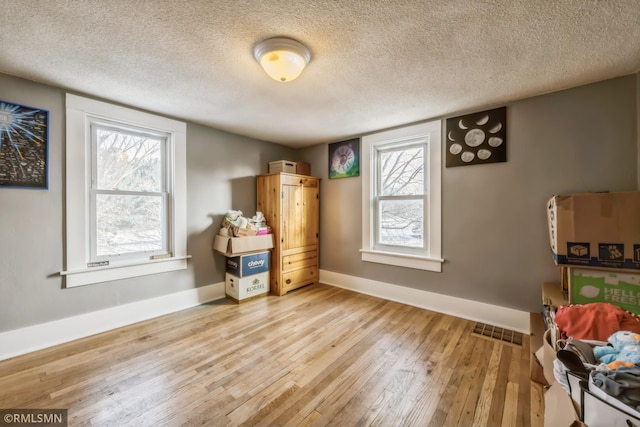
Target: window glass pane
point(401, 223)
point(128, 223)
point(128, 161)
point(402, 172)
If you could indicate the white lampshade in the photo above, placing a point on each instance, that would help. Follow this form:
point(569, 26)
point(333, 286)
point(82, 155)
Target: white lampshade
point(283, 59)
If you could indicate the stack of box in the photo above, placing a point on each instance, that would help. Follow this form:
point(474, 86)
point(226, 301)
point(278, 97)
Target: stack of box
point(247, 265)
point(596, 236)
point(595, 239)
point(247, 276)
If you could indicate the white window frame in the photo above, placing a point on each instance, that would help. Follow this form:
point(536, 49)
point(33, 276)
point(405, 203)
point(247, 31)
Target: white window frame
point(430, 258)
point(165, 139)
point(79, 269)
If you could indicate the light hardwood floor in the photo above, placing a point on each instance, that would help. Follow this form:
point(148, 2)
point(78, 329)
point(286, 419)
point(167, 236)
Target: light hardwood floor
point(317, 356)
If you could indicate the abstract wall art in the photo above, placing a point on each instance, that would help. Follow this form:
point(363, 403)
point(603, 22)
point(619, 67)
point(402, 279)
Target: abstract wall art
point(477, 138)
point(24, 138)
point(344, 159)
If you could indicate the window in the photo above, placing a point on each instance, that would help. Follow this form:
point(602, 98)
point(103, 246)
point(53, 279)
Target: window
point(401, 198)
point(126, 193)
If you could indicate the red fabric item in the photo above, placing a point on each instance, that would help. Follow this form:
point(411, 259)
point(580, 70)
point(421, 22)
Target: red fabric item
point(595, 321)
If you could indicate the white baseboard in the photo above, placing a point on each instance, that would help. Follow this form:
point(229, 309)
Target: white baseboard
point(25, 340)
point(32, 338)
point(467, 309)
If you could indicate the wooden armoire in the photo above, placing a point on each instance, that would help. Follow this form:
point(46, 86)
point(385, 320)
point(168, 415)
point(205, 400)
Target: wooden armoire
point(291, 205)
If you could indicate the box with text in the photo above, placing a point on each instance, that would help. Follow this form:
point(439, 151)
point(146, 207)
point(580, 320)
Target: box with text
point(615, 287)
point(238, 289)
point(247, 265)
point(600, 230)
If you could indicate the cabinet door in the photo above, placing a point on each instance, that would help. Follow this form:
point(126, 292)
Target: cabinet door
point(300, 213)
point(311, 207)
point(292, 220)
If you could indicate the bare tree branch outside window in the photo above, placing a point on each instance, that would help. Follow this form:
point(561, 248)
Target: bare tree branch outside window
point(129, 199)
point(401, 213)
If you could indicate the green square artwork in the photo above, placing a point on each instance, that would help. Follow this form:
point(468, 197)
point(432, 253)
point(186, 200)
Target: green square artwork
point(344, 159)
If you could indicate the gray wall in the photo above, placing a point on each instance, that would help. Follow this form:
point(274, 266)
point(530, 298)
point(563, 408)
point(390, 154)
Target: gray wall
point(495, 239)
point(495, 236)
point(221, 176)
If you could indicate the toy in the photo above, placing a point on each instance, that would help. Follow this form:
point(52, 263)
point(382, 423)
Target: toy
point(623, 351)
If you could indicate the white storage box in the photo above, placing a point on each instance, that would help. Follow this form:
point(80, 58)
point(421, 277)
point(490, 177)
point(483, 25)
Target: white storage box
point(282, 166)
point(242, 288)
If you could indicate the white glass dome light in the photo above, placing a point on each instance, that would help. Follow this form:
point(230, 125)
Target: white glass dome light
point(282, 58)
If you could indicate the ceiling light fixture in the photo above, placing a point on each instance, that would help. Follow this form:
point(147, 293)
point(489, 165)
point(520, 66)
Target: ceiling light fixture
point(283, 59)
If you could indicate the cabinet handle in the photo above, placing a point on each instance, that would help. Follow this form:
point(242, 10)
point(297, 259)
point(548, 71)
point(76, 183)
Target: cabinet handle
point(288, 281)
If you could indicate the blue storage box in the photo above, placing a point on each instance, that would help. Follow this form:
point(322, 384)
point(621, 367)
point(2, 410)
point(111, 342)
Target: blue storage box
point(247, 265)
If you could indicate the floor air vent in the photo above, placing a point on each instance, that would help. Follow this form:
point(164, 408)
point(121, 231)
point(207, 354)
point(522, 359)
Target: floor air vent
point(496, 333)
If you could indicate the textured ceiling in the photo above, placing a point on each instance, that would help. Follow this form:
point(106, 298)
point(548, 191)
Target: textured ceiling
point(375, 64)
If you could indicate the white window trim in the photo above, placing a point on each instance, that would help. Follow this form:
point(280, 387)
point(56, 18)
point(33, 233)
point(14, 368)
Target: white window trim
point(432, 262)
point(77, 271)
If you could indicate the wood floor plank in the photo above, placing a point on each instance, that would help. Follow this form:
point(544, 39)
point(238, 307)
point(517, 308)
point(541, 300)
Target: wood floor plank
point(498, 396)
point(481, 415)
point(317, 356)
point(510, 407)
point(536, 405)
point(464, 406)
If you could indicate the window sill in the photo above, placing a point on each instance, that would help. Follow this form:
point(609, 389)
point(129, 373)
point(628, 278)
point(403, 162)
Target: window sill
point(403, 260)
point(88, 276)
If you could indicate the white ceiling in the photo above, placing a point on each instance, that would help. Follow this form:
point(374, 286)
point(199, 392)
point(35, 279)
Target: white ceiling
point(375, 63)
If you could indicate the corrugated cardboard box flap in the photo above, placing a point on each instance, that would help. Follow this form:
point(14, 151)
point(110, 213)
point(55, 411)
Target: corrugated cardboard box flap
point(230, 246)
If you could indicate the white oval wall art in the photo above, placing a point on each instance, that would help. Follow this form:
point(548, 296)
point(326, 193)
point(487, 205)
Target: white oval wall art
point(467, 156)
point(484, 154)
point(455, 149)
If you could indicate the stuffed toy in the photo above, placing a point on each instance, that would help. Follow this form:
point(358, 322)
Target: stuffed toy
point(624, 350)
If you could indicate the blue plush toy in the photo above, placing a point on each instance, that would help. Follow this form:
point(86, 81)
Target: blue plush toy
point(624, 350)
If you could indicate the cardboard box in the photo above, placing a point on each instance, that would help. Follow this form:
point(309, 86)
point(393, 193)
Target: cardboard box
point(595, 230)
point(244, 232)
point(231, 246)
point(564, 279)
point(282, 166)
point(247, 265)
point(558, 408)
point(553, 296)
point(243, 288)
point(547, 354)
point(615, 287)
point(536, 371)
point(303, 168)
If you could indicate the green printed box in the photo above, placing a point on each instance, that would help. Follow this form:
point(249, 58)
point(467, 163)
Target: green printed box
point(617, 288)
